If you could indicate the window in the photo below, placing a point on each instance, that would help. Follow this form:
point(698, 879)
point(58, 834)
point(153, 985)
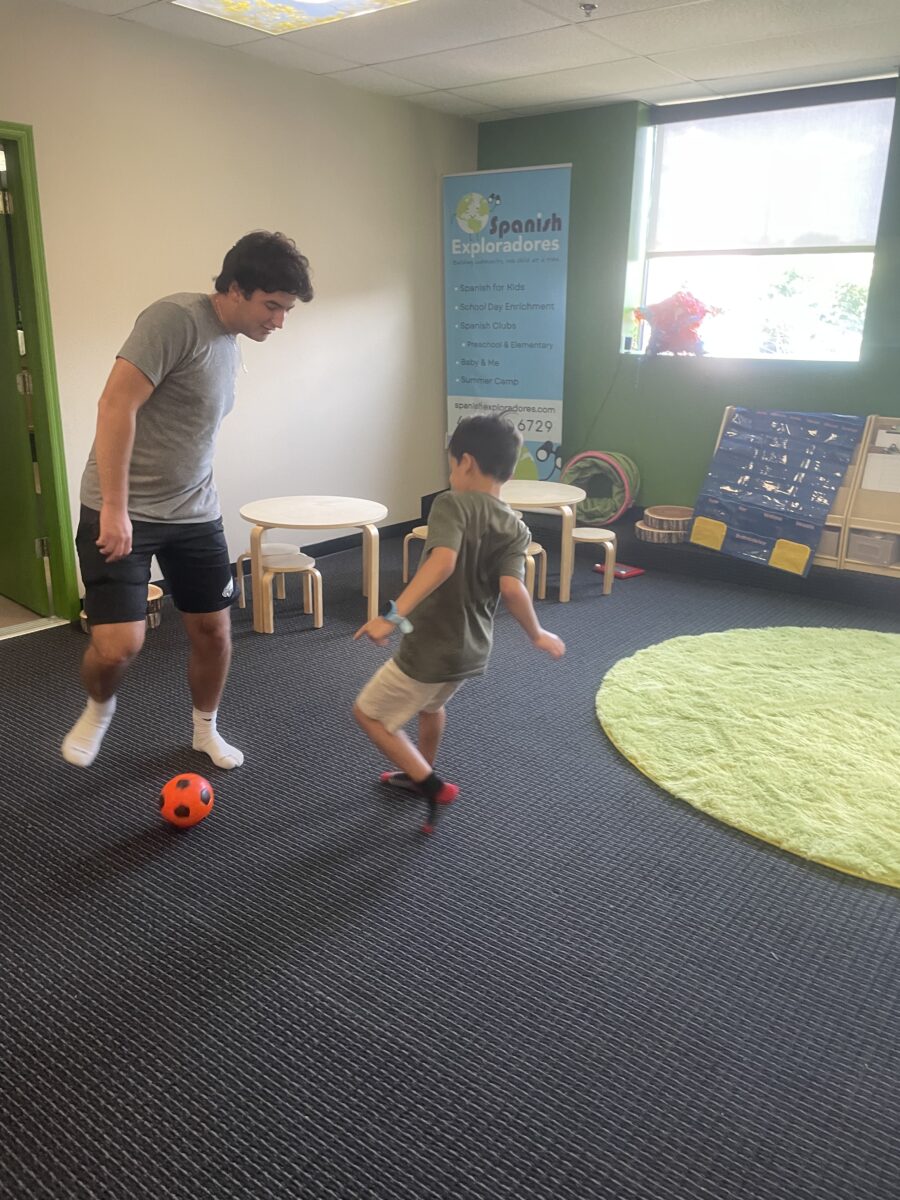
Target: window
point(768, 219)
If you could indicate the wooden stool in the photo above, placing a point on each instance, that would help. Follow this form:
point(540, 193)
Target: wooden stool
point(420, 533)
point(275, 566)
point(533, 552)
point(270, 550)
point(154, 606)
point(154, 609)
point(607, 539)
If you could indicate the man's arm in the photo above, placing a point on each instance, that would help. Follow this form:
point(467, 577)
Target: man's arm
point(126, 390)
point(434, 570)
point(516, 598)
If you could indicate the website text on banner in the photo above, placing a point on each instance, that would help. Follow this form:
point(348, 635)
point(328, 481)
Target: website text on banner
point(506, 242)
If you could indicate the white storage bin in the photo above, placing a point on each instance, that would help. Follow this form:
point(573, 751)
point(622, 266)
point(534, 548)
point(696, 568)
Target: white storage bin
point(828, 545)
point(876, 549)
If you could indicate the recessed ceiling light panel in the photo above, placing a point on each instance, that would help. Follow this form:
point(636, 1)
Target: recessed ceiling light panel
point(286, 16)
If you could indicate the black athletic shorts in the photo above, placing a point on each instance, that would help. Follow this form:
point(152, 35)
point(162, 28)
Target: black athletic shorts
point(193, 559)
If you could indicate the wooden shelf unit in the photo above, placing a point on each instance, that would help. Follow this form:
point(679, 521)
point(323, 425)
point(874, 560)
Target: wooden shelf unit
point(838, 515)
point(868, 510)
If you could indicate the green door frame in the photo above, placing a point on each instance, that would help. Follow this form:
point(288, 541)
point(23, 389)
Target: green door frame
point(35, 302)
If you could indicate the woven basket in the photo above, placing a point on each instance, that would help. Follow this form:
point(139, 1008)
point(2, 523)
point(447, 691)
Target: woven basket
point(666, 537)
point(669, 516)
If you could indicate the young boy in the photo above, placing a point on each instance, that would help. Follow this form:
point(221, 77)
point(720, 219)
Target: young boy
point(474, 554)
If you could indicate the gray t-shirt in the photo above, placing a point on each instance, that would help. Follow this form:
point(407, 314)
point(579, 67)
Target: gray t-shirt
point(190, 358)
point(453, 627)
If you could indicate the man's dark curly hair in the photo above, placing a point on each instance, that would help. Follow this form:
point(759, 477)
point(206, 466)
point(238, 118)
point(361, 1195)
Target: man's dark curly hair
point(268, 262)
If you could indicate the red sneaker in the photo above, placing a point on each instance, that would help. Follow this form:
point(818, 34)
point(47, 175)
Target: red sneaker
point(447, 794)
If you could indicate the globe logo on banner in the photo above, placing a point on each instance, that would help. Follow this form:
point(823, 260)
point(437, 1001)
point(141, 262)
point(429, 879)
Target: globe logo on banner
point(472, 213)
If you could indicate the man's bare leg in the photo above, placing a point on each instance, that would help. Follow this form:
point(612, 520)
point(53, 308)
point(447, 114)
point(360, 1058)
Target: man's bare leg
point(210, 658)
point(107, 658)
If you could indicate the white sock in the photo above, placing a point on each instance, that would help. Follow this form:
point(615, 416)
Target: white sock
point(208, 740)
point(82, 742)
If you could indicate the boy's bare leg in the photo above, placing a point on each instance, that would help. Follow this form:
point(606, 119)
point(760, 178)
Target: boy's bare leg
point(431, 730)
point(403, 754)
point(112, 648)
point(394, 746)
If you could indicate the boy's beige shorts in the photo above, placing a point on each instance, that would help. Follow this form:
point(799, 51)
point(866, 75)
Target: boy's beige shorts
point(392, 698)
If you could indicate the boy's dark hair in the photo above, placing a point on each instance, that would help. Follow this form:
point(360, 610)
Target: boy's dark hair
point(493, 442)
point(268, 262)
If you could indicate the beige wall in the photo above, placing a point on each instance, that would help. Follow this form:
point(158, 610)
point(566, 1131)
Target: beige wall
point(154, 154)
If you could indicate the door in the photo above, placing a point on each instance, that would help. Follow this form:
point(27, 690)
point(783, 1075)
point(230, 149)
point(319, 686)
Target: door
point(22, 565)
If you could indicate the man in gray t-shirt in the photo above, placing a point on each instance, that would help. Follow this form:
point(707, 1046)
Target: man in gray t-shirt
point(181, 347)
point(148, 490)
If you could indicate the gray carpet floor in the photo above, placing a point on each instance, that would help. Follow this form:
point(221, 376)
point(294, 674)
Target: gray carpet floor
point(579, 988)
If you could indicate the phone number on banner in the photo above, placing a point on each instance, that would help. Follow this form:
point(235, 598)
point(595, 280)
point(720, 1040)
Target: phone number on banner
point(542, 417)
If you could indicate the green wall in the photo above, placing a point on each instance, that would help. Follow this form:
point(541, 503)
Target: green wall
point(665, 412)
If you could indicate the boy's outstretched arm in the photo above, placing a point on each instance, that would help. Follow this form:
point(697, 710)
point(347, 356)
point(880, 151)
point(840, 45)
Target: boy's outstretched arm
point(433, 571)
point(516, 598)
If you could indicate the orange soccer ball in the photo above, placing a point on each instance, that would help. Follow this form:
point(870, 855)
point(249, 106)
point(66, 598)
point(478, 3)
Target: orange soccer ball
point(185, 800)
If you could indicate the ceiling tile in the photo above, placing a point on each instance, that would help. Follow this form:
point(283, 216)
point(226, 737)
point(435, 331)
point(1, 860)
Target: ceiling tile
point(448, 102)
point(424, 28)
point(537, 110)
point(676, 93)
point(531, 54)
point(489, 57)
point(583, 83)
point(876, 41)
point(734, 85)
point(370, 79)
point(494, 115)
point(289, 54)
point(570, 9)
point(171, 19)
point(107, 8)
point(719, 22)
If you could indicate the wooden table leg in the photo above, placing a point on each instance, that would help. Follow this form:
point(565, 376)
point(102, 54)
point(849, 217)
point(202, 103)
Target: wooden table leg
point(263, 621)
point(370, 568)
point(566, 553)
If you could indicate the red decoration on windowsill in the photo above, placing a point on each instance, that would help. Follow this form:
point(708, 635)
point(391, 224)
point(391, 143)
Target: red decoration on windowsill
point(675, 324)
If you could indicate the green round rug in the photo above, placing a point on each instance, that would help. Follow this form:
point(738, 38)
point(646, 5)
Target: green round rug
point(790, 734)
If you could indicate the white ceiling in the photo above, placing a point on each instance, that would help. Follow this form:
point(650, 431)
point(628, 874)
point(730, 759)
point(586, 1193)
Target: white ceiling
point(497, 58)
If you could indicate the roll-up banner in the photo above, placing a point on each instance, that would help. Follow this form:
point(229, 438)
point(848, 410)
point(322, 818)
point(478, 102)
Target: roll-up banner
point(506, 238)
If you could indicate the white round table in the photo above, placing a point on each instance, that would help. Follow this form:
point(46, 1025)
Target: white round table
point(313, 512)
point(534, 493)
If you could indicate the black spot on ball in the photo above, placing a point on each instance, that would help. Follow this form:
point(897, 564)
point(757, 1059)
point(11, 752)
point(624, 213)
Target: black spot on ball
point(205, 797)
point(182, 810)
point(183, 782)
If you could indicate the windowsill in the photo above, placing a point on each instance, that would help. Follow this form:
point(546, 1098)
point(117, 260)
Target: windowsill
point(755, 358)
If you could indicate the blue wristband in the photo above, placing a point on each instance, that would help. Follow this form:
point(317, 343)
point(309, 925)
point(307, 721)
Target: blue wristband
point(402, 623)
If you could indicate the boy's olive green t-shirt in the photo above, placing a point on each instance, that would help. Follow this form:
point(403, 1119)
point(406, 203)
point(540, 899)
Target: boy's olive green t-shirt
point(453, 627)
